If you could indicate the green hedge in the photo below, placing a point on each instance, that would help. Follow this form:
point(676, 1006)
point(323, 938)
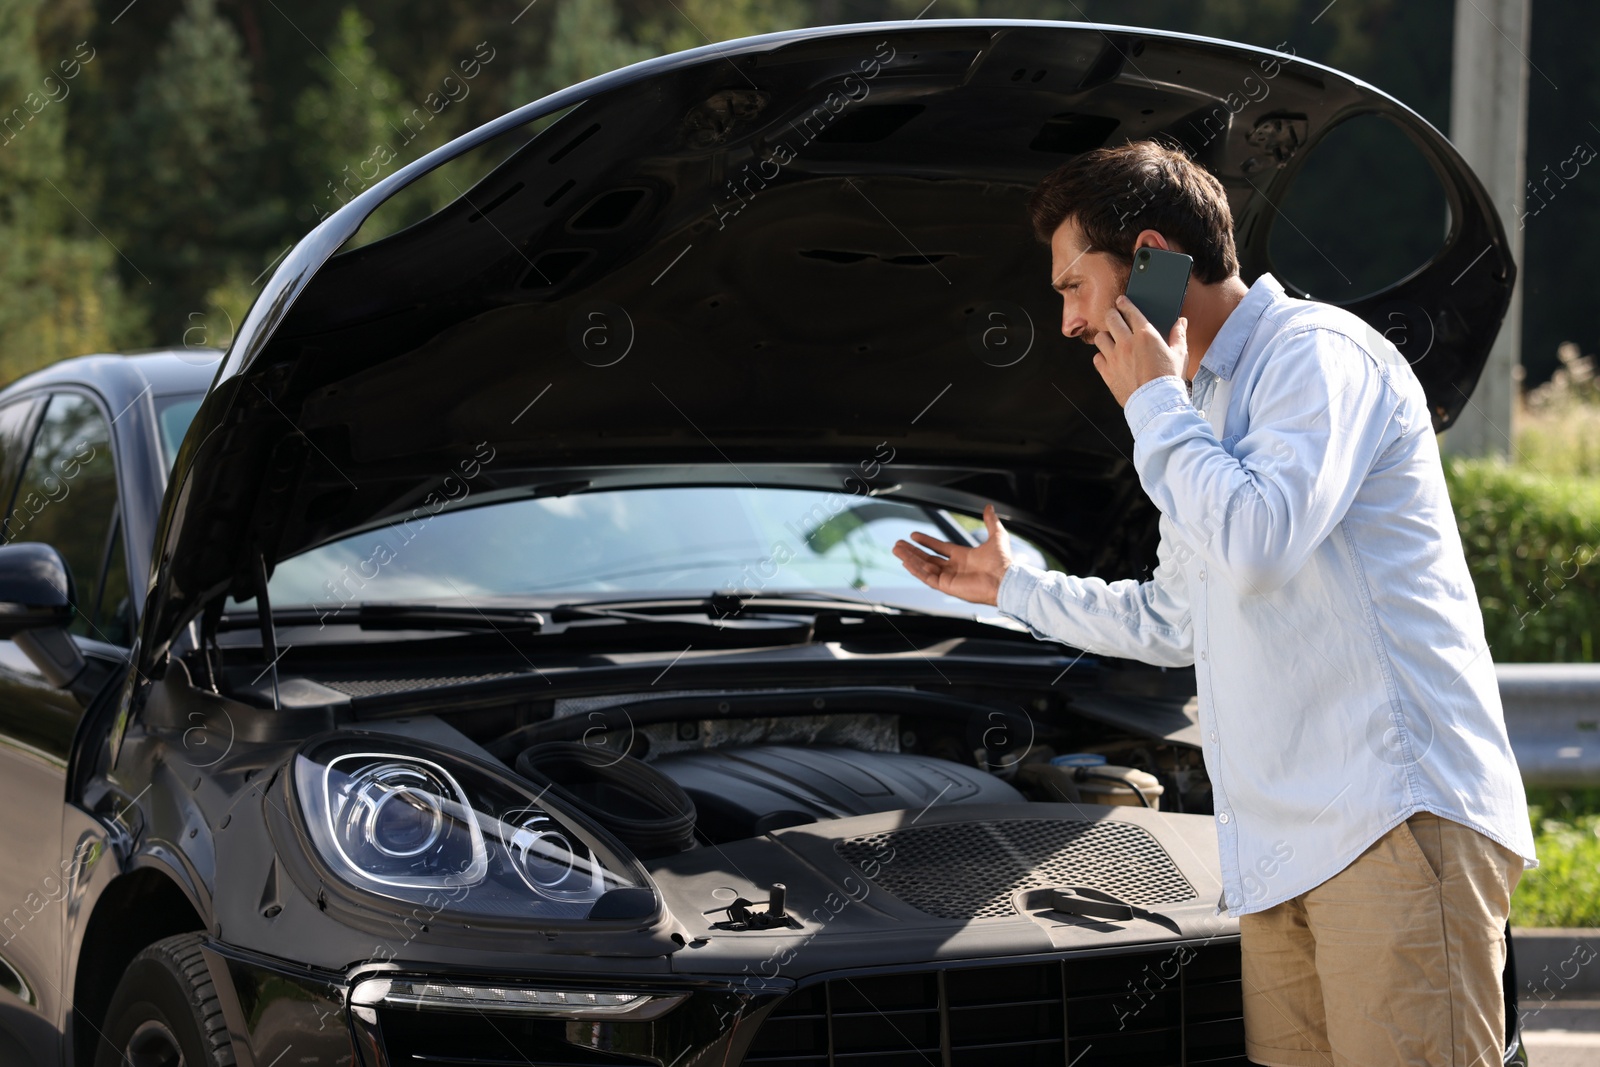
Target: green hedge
point(1564, 890)
point(1533, 545)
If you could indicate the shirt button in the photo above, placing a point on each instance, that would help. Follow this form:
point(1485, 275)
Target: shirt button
point(1202, 574)
point(1202, 653)
point(1213, 735)
point(1223, 818)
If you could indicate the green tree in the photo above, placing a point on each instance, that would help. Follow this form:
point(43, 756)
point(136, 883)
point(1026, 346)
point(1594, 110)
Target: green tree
point(202, 145)
point(348, 128)
point(586, 39)
point(181, 171)
point(58, 294)
point(685, 24)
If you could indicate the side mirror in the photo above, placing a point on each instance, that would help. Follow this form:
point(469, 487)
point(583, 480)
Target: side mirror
point(36, 604)
point(35, 588)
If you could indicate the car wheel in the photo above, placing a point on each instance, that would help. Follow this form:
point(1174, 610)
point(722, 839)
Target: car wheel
point(165, 1012)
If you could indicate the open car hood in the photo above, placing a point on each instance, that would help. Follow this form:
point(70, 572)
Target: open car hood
point(754, 263)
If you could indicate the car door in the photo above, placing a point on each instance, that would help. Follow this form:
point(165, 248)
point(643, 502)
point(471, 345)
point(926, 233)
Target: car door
point(65, 495)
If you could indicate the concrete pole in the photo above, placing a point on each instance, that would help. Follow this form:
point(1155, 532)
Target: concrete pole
point(1489, 127)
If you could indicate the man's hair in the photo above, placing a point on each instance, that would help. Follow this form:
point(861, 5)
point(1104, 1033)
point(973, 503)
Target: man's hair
point(1113, 193)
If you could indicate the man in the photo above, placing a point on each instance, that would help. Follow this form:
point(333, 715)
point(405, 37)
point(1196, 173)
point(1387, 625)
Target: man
point(1370, 817)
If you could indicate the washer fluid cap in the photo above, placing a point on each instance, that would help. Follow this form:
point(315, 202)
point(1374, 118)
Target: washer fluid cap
point(1079, 759)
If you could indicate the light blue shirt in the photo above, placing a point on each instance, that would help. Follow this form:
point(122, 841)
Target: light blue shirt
point(1310, 568)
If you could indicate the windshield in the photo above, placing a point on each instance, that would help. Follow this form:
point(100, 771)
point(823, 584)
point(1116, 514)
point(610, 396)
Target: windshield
point(617, 544)
point(174, 413)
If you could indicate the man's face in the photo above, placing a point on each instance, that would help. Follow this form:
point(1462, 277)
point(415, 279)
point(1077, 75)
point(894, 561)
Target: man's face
point(1089, 282)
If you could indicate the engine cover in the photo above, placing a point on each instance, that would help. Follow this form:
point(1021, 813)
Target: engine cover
point(744, 792)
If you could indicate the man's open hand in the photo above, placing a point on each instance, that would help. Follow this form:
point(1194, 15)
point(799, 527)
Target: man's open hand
point(1132, 352)
point(972, 574)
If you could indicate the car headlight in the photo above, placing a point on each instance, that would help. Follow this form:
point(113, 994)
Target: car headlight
point(430, 827)
point(401, 822)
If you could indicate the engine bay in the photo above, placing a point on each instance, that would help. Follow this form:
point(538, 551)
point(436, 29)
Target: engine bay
point(678, 770)
point(642, 822)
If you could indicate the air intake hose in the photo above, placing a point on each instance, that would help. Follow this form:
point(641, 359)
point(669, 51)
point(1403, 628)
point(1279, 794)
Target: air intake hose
point(646, 810)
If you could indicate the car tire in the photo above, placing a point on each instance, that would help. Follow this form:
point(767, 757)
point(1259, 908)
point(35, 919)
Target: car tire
point(165, 1012)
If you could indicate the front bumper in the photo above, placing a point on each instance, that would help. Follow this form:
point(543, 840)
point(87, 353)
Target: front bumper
point(276, 1009)
point(1175, 1003)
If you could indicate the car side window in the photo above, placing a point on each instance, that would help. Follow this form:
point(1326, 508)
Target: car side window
point(113, 613)
point(15, 420)
point(67, 498)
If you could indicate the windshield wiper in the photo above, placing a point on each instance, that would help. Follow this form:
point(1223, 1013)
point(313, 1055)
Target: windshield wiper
point(556, 619)
point(728, 605)
point(806, 615)
point(388, 616)
point(834, 616)
point(382, 616)
point(499, 617)
point(819, 596)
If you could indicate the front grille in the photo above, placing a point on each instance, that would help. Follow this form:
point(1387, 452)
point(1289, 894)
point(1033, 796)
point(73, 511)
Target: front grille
point(1002, 856)
point(1175, 1008)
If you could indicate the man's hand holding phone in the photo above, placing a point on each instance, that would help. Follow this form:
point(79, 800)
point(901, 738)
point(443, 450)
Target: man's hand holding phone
point(1132, 352)
point(1132, 347)
point(971, 574)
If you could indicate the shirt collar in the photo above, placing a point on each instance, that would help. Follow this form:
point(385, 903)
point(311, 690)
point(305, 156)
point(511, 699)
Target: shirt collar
point(1228, 345)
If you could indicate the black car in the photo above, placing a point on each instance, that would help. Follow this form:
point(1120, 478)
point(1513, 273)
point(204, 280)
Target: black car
point(512, 668)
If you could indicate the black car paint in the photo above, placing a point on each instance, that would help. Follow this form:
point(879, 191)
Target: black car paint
point(53, 869)
point(173, 812)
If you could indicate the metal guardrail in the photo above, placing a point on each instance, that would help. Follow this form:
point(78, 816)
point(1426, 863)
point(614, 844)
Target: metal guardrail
point(1553, 716)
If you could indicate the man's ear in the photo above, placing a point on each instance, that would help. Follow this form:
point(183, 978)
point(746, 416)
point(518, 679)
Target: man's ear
point(1151, 239)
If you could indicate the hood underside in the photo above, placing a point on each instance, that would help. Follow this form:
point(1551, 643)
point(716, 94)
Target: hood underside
point(753, 263)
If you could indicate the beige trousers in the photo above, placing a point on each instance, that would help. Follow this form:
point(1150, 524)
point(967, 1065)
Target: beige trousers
point(1395, 960)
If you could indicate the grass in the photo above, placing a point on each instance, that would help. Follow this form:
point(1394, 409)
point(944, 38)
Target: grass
point(1561, 442)
point(1564, 890)
point(1558, 426)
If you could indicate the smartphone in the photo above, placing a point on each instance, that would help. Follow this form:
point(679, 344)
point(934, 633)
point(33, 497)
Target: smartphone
point(1157, 284)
